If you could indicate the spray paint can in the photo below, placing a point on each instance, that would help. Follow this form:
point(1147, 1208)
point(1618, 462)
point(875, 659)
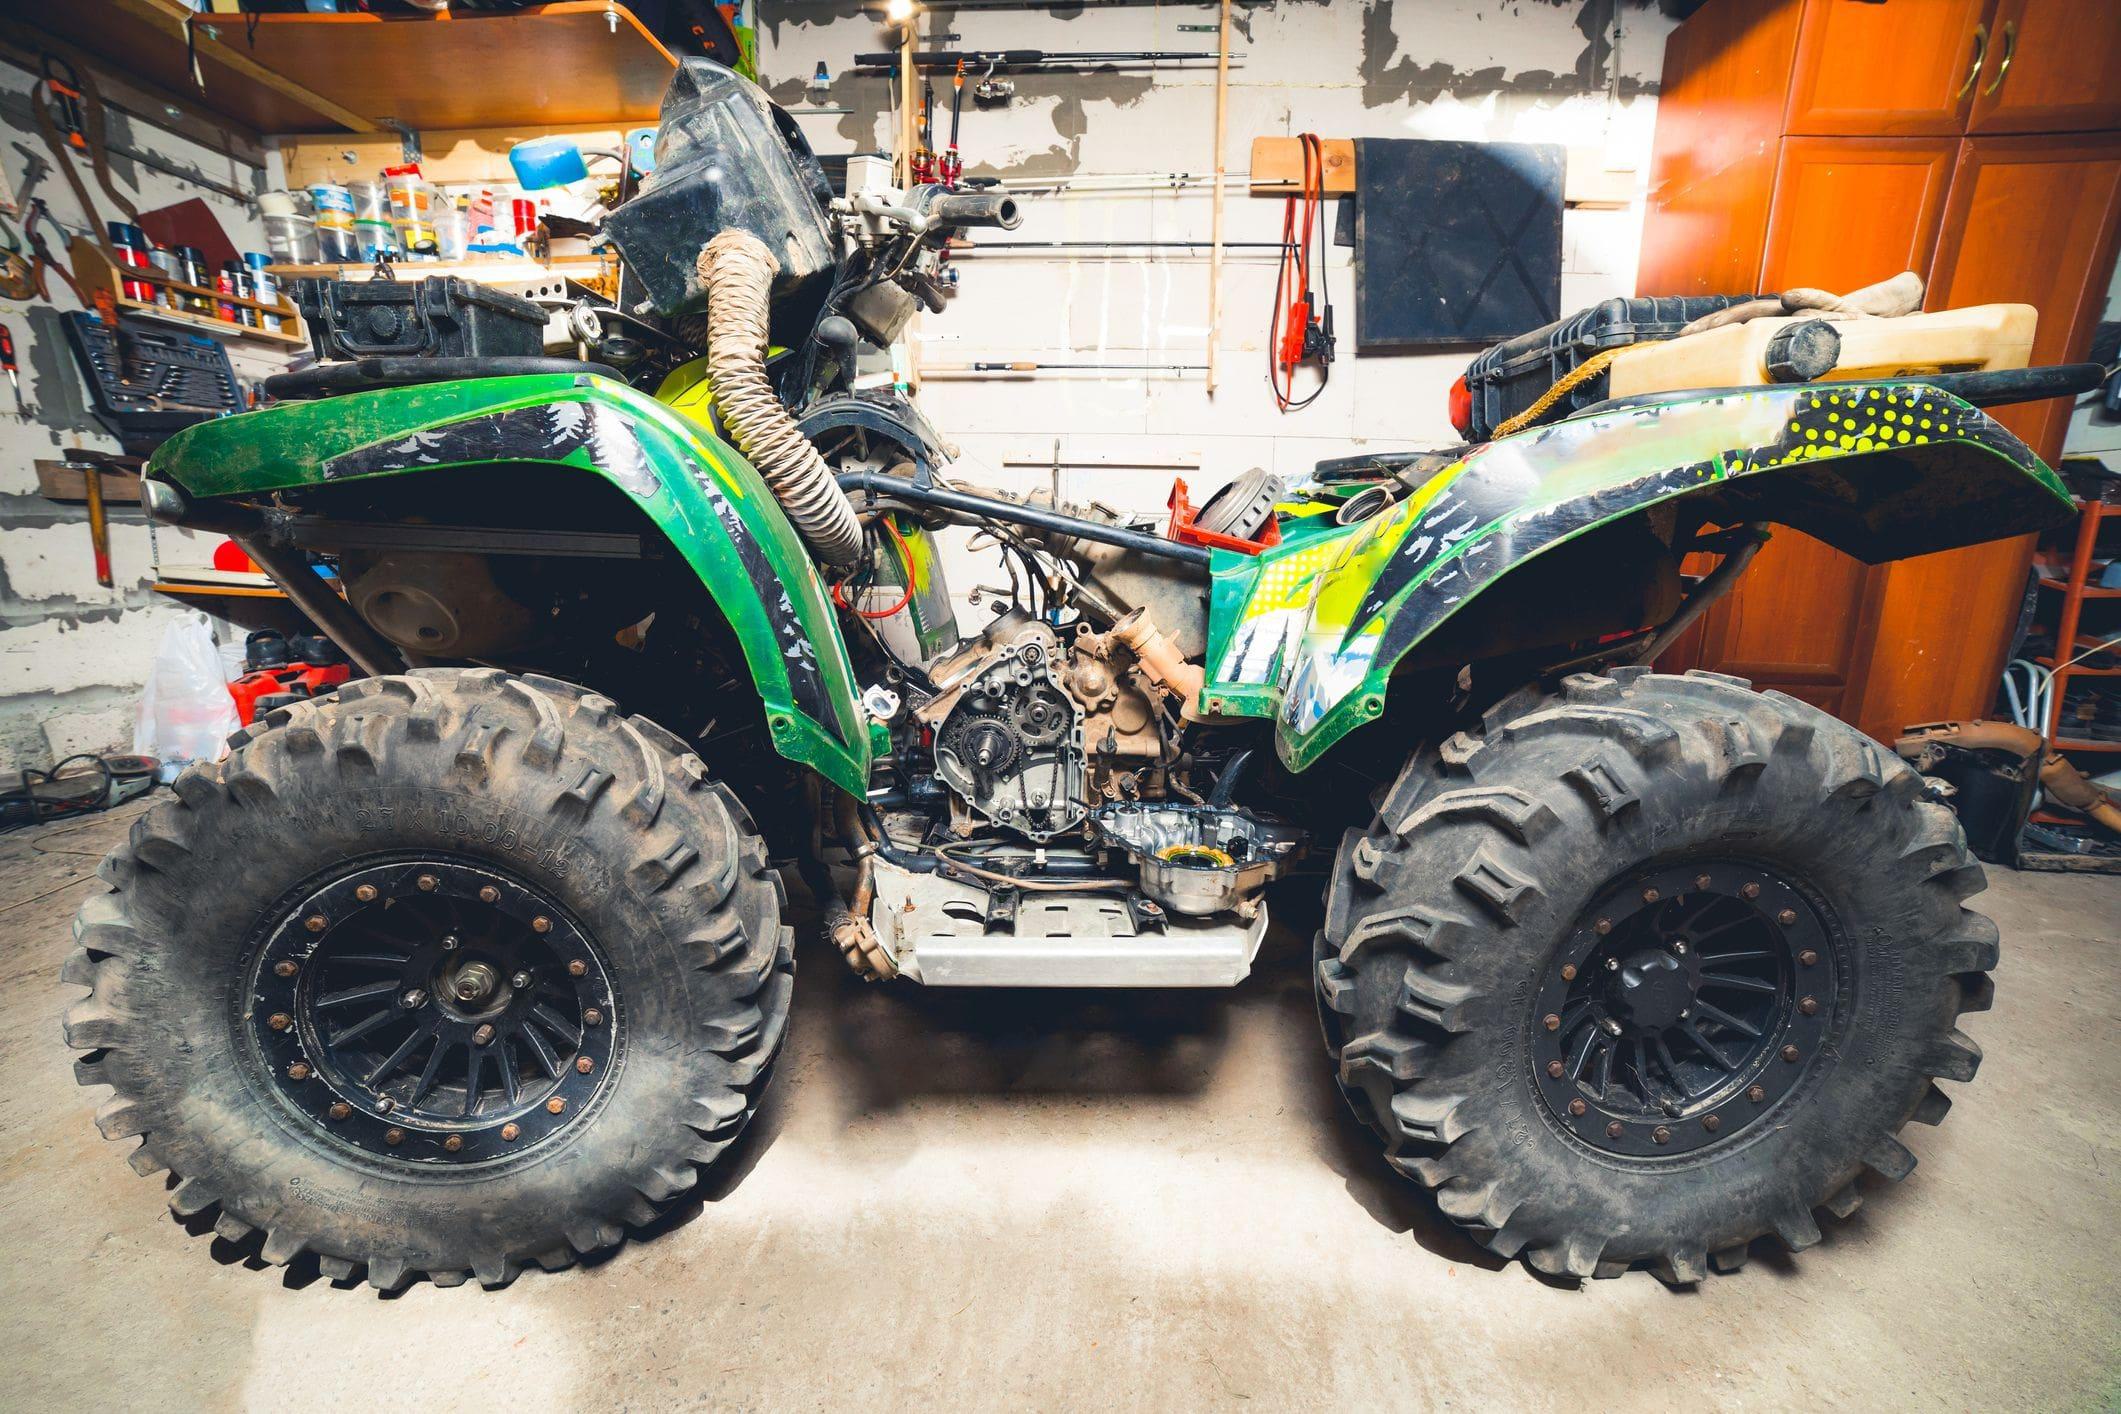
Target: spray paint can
point(191, 261)
point(264, 288)
point(130, 242)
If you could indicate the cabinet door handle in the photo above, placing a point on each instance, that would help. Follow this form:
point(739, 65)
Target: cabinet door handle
point(2010, 51)
point(1973, 70)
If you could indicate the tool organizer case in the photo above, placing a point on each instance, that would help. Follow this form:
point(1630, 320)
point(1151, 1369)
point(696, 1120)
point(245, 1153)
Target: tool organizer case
point(1509, 377)
point(145, 383)
point(438, 317)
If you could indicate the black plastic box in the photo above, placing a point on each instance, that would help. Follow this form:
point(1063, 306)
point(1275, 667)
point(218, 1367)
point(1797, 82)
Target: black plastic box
point(1509, 378)
point(438, 317)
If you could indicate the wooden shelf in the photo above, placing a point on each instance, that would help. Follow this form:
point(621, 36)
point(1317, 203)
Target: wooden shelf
point(512, 273)
point(2090, 591)
point(576, 61)
point(94, 272)
point(184, 589)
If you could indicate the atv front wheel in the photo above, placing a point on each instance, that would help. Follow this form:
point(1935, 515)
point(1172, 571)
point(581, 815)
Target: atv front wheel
point(1639, 973)
point(446, 974)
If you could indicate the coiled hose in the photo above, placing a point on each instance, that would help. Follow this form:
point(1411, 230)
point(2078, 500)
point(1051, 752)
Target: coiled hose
point(737, 270)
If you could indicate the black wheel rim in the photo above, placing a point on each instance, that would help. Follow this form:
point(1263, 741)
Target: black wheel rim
point(433, 1011)
point(1683, 1007)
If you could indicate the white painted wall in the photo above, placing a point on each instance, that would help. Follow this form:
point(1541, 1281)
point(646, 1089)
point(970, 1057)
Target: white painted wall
point(74, 655)
point(1459, 69)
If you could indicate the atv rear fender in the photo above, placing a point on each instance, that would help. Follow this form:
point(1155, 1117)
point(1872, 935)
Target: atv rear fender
point(709, 503)
point(1309, 631)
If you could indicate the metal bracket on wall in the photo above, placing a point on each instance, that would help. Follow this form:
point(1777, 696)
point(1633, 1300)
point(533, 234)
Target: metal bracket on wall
point(408, 138)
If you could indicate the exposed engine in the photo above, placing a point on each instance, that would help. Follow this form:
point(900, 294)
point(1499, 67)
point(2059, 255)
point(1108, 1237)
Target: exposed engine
point(1010, 743)
point(1034, 728)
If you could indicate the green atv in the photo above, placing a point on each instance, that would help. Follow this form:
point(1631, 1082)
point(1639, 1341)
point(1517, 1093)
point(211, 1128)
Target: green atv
point(465, 966)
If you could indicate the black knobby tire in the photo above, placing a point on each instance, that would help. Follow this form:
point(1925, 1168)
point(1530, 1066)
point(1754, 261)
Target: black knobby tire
point(1450, 915)
point(529, 788)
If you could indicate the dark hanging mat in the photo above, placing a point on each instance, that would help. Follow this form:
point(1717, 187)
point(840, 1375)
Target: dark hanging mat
point(1455, 242)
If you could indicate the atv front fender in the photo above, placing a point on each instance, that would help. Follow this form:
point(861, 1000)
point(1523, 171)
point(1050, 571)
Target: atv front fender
point(1309, 632)
point(706, 499)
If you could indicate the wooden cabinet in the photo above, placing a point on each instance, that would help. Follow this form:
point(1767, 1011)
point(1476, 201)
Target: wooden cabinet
point(1863, 181)
point(2054, 66)
point(1903, 68)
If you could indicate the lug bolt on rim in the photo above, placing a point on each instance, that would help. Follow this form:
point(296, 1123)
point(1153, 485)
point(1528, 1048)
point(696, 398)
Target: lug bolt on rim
point(577, 968)
point(519, 981)
point(284, 969)
point(1552, 1021)
point(556, 1105)
point(1712, 1123)
point(366, 893)
point(483, 1035)
point(1602, 927)
point(1651, 896)
point(1787, 917)
point(1790, 1054)
point(393, 1136)
point(1756, 1093)
point(489, 894)
point(1615, 1130)
point(1568, 972)
point(593, 1017)
point(279, 1021)
point(541, 924)
point(510, 1131)
point(427, 883)
point(1809, 1006)
point(298, 1071)
point(316, 923)
point(1577, 1107)
point(340, 1110)
point(1661, 1135)
point(1807, 957)
point(1749, 891)
point(453, 1143)
point(413, 998)
point(584, 1064)
point(1554, 1068)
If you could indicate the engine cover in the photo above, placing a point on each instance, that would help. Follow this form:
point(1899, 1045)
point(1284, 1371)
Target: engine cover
point(1011, 746)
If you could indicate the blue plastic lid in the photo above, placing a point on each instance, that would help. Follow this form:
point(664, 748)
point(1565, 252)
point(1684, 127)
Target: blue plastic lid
point(547, 162)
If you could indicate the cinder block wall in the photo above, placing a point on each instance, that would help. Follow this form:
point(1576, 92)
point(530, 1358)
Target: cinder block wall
point(73, 655)
point(1581, 73)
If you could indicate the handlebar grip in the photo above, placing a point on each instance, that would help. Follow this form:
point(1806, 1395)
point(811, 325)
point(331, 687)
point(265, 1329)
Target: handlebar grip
point(966, 208)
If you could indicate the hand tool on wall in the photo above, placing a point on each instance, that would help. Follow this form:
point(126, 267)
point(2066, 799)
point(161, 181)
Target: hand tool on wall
point(98, 524)
point(14, 372)
point(69, 113)
point(1300, 330)
point(952, 166)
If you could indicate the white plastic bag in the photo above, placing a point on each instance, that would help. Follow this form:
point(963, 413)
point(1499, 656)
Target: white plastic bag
point(186, 713)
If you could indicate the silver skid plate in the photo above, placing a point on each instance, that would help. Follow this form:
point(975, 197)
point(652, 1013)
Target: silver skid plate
point(946, 934)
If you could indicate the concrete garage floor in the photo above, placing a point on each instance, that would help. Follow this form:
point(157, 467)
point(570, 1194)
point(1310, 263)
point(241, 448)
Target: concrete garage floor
point(1103, 1202)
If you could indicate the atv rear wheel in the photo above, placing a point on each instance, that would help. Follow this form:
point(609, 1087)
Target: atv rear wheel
point(446, 974)
point(1639, 973)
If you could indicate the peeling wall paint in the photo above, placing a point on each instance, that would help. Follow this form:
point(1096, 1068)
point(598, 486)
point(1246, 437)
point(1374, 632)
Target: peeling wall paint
point(73, 655)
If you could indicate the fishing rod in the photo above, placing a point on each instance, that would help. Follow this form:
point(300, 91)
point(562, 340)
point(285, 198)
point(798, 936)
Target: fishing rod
point(939, 60)
point(957, 248)
point(1028, 366)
